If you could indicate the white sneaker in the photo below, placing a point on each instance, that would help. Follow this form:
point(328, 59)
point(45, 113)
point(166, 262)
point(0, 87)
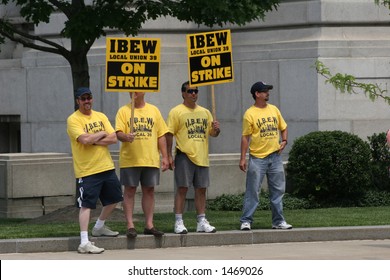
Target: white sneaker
point(89, 248)
point(204, 226)
point(282, 225)
point(104, 231)
point(180, 228)
point(245, 226)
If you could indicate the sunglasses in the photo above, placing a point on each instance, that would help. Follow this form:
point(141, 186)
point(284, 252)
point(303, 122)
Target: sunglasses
point(85, 98)
point(191, 91)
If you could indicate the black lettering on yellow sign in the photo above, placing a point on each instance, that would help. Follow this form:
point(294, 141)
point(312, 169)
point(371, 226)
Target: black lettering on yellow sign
point(197, 52)
point(118, 56)
point(132, 64)
point(206, 40)
point(210, 57)
point(132, 46)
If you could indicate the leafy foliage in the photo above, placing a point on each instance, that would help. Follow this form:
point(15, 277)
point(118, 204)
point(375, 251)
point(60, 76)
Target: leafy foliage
point(383, 2)
point(318, 156)
point(347, 83)
point(380, 161)
point(86, 21)
point(227, 202)
point(329, 167)
point(374, 198)
point(220, 12)
point(233, 202)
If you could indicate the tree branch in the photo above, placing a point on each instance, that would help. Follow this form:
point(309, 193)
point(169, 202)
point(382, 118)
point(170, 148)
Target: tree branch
point(62, 7)
point(26, 39)
point(347, 83)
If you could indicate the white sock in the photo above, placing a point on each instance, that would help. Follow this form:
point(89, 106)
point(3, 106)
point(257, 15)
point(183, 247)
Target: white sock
point(201, 217)
point(84, 237)
point(179, 217)
point(99, 223)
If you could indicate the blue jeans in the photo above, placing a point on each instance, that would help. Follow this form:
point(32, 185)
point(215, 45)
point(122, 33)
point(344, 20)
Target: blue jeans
point(272, 166)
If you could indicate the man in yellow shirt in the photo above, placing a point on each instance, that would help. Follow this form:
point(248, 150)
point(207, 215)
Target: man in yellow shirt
point(191, 125)
point(262, 128)
point(90, 134)
point(139, 158)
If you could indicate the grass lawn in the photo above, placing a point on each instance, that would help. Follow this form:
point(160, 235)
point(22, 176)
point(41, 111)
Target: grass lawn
point(222, 220)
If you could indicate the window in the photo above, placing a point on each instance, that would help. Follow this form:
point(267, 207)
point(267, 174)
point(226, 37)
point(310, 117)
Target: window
point(10, 134)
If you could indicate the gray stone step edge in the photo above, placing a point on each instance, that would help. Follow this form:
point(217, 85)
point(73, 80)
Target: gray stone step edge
point(235, 237)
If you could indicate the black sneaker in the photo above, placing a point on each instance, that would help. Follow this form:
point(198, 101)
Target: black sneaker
point(153, 231)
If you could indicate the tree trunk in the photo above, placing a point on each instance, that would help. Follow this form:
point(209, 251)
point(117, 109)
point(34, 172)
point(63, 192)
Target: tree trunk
point(80, 71)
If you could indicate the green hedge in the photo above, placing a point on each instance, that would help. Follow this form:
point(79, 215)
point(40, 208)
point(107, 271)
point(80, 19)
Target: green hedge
point(380, 162)
point(329, 167)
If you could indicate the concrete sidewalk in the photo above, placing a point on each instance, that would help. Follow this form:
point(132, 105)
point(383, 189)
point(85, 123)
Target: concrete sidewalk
point(319, 250)
point(170, 240)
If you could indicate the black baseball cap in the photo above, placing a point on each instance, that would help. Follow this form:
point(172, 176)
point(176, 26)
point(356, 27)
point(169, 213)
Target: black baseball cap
point(260, 87)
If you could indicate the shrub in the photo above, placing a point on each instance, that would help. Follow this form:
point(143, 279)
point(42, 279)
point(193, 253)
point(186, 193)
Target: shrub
point(374, 199)
point(290, 202)
point(227, 202)
point(233, 202)
point(329, 167)
point(380, 161)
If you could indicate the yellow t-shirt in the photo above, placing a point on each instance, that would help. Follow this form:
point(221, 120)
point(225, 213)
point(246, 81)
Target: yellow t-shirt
point(89, 159)
point(191, 128)
point(149, 125)
point(263, 125)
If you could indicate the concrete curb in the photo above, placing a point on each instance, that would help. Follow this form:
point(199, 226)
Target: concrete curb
point(35, 245)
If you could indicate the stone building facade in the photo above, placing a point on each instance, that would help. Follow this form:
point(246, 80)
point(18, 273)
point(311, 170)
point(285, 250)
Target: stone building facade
point(36, 94)
point(348, 36)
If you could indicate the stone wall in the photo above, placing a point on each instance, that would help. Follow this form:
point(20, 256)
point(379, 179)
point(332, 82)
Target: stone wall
point(348, 36)
point(35, 184)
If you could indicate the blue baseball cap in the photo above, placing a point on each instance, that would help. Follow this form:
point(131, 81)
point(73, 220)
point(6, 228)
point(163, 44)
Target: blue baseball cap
point(81, 91)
